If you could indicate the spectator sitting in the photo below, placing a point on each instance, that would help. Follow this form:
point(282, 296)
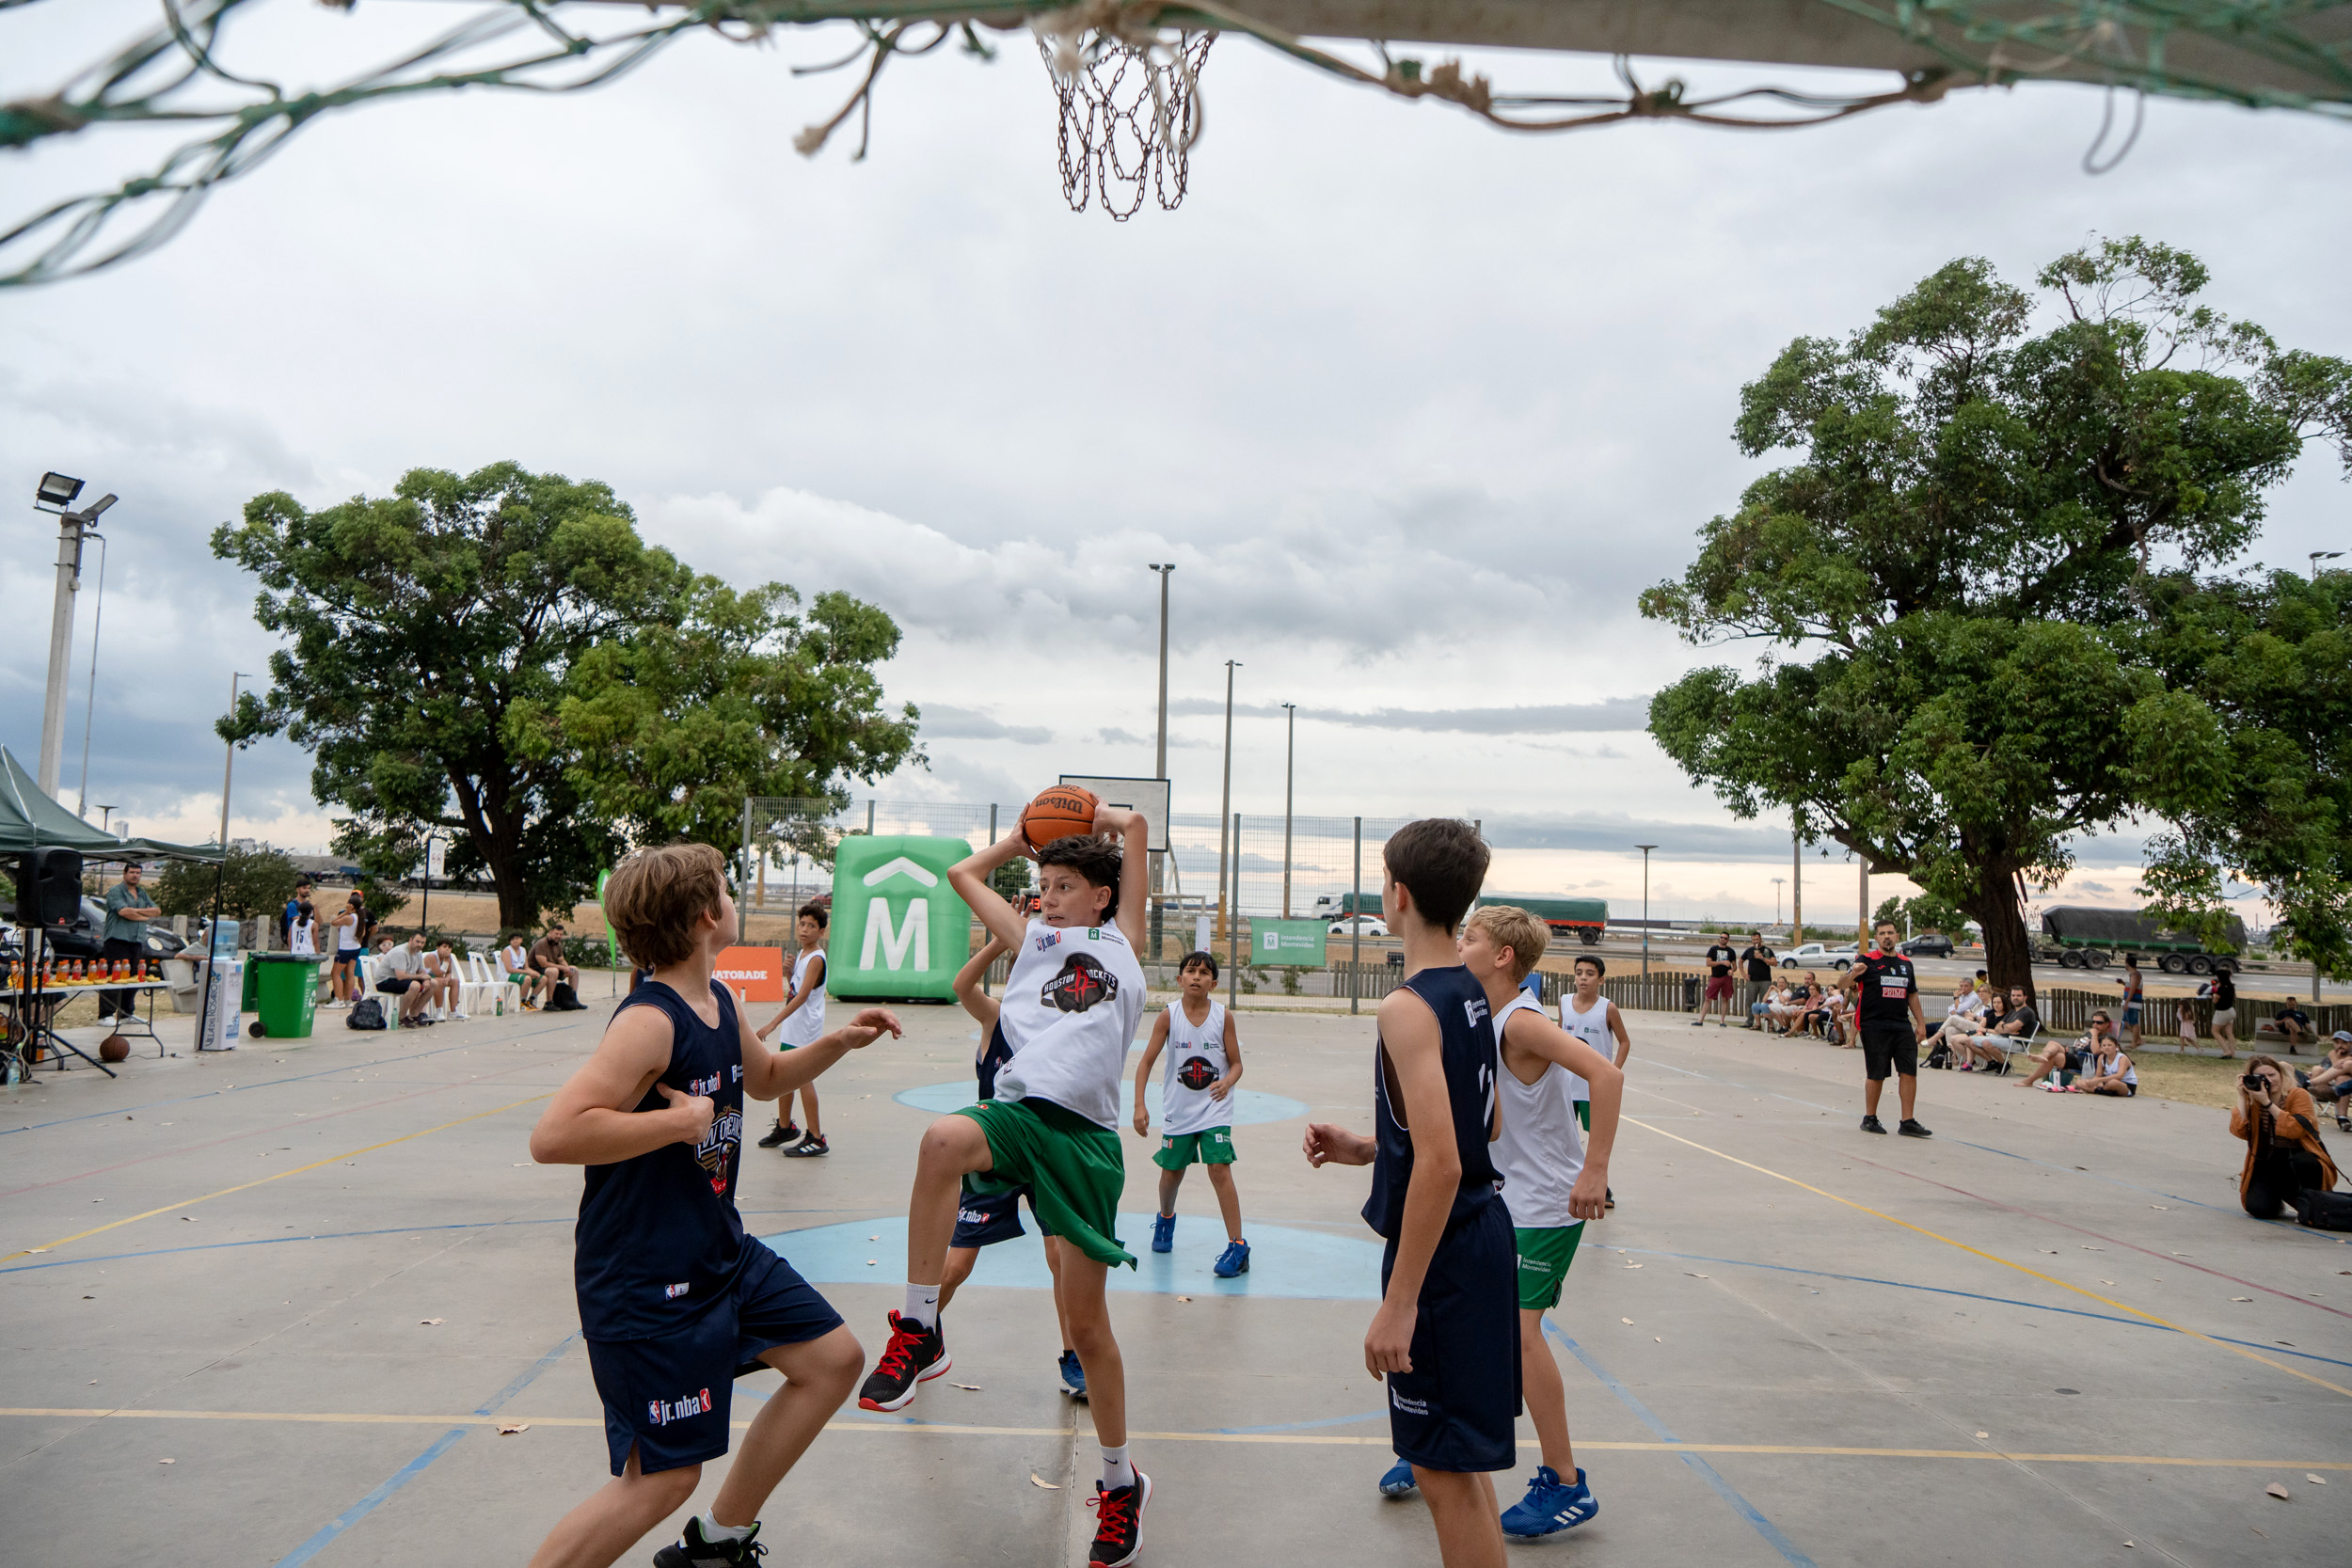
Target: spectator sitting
point(2296, 1024)
point(1814, 1001)
point(1834, 1009)
point(2016, 1028)
point(2059, 1062)
point(447, 984)
point(547, 961)
point(406, 978)
point(2107, 1071)
point(1760, 1010)
point(515, 962)
point(2333, 1080)
point(1962, 1015)
point(2280, 1126)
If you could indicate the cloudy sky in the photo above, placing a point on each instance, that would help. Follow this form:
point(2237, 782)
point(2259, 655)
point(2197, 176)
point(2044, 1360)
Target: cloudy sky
point(1417, 408)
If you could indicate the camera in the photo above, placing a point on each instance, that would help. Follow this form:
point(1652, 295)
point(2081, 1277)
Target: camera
point(2256, 1081)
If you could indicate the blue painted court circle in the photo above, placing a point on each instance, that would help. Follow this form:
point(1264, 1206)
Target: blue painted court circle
point(1284, 1261)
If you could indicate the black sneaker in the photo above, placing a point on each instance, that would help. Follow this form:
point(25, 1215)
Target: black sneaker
point(1608, 1197)
point(779, 1134)
point(692, 1551)
point(812, 1144)
point(1911, 1129)
point(1871, 1124)
point(913, 1356)
point(1119, 1528)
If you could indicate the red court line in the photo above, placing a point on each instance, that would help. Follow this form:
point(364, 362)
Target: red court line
point(303, 1121)
point(2085, 1230)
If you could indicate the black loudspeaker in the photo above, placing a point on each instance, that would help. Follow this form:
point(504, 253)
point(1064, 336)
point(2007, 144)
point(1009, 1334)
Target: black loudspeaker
point(48, 887)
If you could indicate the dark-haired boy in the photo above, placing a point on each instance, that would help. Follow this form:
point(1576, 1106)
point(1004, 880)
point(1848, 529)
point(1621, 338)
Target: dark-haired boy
point(1204, 1064)
point(1070, 1012)
point(1446, 1335)
point(803, 1019)
point(676, 1301)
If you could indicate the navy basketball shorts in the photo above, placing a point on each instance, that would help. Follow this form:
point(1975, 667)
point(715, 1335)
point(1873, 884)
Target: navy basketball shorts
point(669, 1398)
point(985, 1220)
point(1457, 1409)
point(1889, 1047)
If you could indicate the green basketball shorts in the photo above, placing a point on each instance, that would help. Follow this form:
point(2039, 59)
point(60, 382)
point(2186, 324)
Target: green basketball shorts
point(1544, 1258)
point(1074, 1170)
point(1211, 1146)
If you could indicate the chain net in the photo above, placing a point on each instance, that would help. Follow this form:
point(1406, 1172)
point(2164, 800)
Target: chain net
point(1130, 115)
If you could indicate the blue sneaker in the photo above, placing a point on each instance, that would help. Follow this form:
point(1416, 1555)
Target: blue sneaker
point(1551, 1504)
point(1074, 1377)
point(1163, 1233)
point(1233, 1261)
point(1399, 1482)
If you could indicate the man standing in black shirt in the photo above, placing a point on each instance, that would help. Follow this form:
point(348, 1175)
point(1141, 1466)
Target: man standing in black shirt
point(1719, 959)
point(1891, 1024)
point(1759, 960)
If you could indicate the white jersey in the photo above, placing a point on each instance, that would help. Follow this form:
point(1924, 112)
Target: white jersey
point(1070, 1010)
point(804, 1027)
point(1591, 1028)
point(1195, 1058)
point(304, 939)
point(1538, 1147)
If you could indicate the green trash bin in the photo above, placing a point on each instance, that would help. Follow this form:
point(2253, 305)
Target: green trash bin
point(288, 992)
point(251, 997)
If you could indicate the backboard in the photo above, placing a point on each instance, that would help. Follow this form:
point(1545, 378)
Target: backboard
point(1148, 796)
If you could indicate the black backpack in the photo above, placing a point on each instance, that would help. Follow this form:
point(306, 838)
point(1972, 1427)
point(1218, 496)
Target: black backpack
point(366, 1013)
point(565, 1000)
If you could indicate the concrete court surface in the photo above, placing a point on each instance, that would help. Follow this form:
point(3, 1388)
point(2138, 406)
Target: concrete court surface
point(315, 1275)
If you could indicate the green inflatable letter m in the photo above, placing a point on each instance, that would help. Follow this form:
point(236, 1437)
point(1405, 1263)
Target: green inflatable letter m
point(899, 933)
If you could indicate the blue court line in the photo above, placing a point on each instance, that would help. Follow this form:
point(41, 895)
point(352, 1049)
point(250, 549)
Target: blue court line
point(1723, 1489)
point(245, 1088)
point(418, 1465)
point(2268, 1345)
point(337, 1236)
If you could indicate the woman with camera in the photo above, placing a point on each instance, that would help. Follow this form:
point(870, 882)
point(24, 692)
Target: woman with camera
point(2280, 1126)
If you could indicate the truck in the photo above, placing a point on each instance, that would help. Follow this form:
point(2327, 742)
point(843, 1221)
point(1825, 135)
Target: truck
point(2076, 937)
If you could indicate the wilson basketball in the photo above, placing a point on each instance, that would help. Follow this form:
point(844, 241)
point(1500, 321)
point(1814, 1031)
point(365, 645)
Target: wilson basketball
point(1057, 813)
point(114, 1047)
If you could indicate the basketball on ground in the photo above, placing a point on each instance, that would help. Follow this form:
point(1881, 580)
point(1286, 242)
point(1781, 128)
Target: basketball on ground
point(114, 1047)
point(1058, 812)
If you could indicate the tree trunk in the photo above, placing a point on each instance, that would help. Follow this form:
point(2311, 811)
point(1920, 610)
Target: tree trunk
point(2008, 950)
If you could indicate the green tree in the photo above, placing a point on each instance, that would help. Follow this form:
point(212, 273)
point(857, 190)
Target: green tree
point(437, 635)
point(1976, 506)
point(2249, 756)
point(1922, 911)
point(255, 881)
point(1011, 880)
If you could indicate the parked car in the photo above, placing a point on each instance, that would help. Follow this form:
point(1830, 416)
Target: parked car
point(1928, 945)
point(1365, 925)
point(86, 937)
point(1822, 954)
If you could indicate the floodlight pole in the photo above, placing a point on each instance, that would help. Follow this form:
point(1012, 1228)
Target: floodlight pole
point(1225, 803)
point(1646, 848)
point(1159, 770)
point(229, 765)
point(1777, 886)
point(1290, 759)
point(2315, 557)
point(1796, 886)
point(1356, 930)
point(89, 703)
point(72, 527)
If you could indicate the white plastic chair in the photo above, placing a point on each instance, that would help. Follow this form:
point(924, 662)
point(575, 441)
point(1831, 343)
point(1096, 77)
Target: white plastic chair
point(476, 988)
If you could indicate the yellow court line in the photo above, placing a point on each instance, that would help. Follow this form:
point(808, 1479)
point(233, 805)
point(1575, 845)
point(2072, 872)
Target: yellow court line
point(1995, 1257)
point(279, 1176)
point(945, 1429)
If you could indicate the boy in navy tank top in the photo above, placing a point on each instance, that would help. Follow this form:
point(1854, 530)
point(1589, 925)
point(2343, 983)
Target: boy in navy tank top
point(676, 1301)
point(1446, 1335)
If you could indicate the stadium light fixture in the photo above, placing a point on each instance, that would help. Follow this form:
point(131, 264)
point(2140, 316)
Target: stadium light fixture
point(2319, 556)
point(57, 492)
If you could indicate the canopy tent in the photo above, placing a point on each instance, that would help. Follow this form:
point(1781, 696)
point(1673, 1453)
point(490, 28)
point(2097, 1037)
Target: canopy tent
point(32, 819)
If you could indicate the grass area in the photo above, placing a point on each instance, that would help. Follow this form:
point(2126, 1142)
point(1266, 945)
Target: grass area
point(2199, 1080)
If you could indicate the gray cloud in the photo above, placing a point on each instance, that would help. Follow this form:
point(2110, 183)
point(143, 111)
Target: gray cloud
point(944, 723)
point(1614, 713)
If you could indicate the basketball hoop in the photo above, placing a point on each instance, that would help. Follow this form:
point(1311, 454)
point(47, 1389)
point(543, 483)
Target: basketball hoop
point(1130, 107)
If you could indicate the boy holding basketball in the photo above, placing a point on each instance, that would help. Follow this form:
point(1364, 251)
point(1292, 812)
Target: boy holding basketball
point(1446, 1338)
point(1204, 1064)
point(1070, 1010)
point(676, 1301)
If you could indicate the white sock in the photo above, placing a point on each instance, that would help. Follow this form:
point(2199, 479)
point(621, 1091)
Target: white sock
point(713, 1530)
point(1117, 1472)
point(922, 1307)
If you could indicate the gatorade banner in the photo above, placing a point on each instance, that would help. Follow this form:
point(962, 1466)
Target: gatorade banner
point(899, 933)
point(1286, 943)
point(754, 973)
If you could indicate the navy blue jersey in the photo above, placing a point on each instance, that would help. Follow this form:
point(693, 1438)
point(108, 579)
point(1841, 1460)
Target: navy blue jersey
point(659, 1240)
point(999, 1051)
point(1466, 1046)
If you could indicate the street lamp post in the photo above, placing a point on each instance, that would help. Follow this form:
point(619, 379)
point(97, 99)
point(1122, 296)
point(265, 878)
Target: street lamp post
point(1225, 807)
point(2316, 557)
point(228, 767)
point(1796, 887)
point(1777, 882)
point(1159, 768)
point(1290, 758)
point(1646, 848)
point(57, 493)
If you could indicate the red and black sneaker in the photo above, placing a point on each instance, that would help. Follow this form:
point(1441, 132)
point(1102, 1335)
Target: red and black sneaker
point(1119, 1523)
point(913, 1356)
